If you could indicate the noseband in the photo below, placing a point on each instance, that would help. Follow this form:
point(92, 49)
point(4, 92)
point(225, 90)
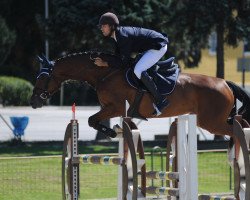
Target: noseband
point(46, 70)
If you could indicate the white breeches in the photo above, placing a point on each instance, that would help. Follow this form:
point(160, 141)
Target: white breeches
point(148, 59)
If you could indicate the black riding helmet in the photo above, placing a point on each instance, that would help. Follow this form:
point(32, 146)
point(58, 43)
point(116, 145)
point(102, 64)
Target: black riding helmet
point(109, 18)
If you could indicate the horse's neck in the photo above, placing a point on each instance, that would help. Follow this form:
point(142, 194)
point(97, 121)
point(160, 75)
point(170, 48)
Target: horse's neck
point(101, 74)
point(84, 69)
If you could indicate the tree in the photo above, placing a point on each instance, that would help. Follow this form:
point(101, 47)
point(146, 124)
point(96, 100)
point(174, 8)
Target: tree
point(193, 21)
point(7, 40)
point(21, 18)
point(75, 22)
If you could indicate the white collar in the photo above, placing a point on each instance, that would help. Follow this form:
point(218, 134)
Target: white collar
point(114, 36)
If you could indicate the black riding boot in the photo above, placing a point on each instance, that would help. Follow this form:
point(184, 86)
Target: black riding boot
point(160, 102)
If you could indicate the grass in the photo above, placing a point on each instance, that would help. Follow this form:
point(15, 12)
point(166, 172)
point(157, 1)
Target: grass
point(7, 149)
point(40, 177)
point(213, 172)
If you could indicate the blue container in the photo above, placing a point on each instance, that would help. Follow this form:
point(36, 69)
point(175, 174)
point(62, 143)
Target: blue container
point(19, 123)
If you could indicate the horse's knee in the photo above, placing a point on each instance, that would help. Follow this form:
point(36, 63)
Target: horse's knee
point(92, 121)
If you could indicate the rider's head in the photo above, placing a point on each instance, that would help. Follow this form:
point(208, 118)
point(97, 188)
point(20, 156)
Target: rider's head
point(108, 23)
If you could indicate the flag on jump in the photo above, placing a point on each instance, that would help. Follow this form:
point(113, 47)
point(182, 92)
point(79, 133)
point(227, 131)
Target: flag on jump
point(74, 111)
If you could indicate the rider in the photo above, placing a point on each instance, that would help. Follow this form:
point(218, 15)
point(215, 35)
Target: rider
point(128, 40)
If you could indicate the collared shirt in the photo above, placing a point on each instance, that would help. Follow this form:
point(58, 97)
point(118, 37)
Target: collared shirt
point(136, 40)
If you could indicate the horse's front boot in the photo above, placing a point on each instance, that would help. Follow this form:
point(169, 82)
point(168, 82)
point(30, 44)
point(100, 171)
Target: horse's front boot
point(106, 131)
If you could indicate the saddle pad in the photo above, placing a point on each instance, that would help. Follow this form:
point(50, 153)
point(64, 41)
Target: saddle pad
point(164, 82)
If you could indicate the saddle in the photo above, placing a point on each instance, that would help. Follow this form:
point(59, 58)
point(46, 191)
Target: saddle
point(164, 74)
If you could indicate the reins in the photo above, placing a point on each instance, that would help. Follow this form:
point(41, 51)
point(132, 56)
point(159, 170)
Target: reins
point(110, 74)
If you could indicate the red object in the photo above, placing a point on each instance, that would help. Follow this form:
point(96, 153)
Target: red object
point(74, 108)
point(74, 111)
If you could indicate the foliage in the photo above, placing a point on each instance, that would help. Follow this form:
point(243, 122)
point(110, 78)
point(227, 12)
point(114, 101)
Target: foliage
point(20, 17)
point(7, 40)
point(193, 21)
point(15, 91)
point(75, 22)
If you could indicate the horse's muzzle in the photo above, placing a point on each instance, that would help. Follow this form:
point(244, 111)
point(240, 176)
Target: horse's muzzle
point(36, 102)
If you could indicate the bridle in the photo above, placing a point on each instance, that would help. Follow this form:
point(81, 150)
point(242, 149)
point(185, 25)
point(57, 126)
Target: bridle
point(47, 67)
point(44, 95)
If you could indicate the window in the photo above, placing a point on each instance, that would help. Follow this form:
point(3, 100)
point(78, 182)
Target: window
point(246, 48)
point(212, 42)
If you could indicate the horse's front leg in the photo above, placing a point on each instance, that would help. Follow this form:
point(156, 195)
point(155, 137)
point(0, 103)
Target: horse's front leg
point(104, 114)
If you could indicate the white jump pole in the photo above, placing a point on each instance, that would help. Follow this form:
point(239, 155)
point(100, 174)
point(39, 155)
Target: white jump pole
point(120, 168)
point(187, 157)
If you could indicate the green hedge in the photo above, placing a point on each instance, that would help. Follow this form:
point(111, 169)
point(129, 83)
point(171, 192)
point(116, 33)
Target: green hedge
point(15, 91)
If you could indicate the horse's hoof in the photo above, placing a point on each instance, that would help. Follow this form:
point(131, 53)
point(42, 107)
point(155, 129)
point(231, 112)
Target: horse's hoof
point(118, 129)
point(111, 133)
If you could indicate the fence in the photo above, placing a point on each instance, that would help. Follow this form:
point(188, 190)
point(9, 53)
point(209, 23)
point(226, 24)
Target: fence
point(40, 177)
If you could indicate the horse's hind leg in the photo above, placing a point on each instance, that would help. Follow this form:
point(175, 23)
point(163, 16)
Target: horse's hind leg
point(223, 128)
point(214, 111)
point(215, 125)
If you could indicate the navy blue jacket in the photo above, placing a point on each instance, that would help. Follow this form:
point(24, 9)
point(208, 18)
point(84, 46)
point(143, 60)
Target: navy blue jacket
point(136, 40)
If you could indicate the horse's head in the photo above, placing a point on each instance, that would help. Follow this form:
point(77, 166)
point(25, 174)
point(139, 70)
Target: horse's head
point(40, 91)
point(76, 66)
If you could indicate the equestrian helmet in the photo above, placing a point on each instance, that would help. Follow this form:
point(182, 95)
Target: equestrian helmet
point(109, 18)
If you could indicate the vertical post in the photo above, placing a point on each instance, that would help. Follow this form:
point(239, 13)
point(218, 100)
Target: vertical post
point(62, 94)
point(187, 157)
point(192, 158)
point(46, 42)
point(120, 183)
point(74, 190)
point(182, 157)
point(46, 13)
point(243, 65)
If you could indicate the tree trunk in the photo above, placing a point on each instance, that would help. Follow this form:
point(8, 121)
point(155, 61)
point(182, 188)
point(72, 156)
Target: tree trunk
point(220, 50)
point(220, 59)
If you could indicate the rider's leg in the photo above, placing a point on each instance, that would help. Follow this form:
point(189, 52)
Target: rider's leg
point(148, 60)
point(160, 101)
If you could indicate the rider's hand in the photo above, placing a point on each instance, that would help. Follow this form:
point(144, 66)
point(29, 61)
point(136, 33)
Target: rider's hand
point(101, 63)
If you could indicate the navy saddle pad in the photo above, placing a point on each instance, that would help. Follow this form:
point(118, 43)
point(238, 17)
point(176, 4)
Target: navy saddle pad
point(164, 73)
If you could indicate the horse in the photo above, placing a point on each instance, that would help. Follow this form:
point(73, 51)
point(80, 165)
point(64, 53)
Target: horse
point(211, 99)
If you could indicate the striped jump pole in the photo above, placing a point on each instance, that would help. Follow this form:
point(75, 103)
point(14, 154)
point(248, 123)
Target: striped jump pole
point(215, 197)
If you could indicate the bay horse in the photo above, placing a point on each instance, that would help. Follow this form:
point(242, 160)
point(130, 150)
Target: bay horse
point(211, 99)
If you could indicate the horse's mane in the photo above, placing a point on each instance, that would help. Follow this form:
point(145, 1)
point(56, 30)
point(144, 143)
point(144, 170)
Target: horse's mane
point(94, 53)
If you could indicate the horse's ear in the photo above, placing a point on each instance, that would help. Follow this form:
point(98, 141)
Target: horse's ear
point(43, 57)
point(40, 60)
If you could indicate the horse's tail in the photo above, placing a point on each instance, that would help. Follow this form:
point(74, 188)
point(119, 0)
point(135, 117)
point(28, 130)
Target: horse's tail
point(244, 97)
